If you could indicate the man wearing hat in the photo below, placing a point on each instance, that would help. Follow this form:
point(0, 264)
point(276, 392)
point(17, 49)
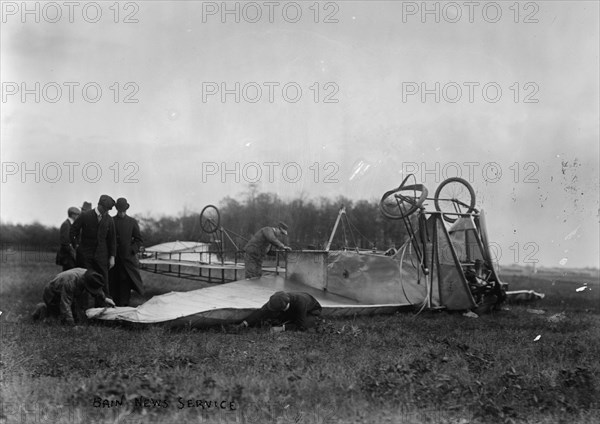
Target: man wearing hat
point(66, 296)
point(256, 248)
point(87, 206)
point(96, 230)
point(294, 310)
point(66, 253)
point(125, 275)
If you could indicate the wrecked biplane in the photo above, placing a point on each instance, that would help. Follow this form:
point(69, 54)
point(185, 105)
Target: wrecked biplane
point(446, 263)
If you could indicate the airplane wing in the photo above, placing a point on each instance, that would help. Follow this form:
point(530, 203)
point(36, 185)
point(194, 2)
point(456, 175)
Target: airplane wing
point(228, 303)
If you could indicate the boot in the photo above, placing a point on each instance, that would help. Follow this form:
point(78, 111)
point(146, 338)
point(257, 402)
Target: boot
point(40, 312)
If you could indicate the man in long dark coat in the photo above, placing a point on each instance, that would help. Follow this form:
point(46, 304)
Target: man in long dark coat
point(66, 252)
point(125, 276)
point(256, 249)
point(98, 245)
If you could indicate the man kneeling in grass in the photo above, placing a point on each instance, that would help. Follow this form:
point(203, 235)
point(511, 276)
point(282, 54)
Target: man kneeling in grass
point(292, 310)
point(67, 295)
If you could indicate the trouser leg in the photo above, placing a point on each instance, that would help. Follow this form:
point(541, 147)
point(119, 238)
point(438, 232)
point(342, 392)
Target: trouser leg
point(253, 265)
point(68, 261)
point(120, 285)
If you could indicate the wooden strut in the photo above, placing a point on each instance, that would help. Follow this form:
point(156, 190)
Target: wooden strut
point(341, 212)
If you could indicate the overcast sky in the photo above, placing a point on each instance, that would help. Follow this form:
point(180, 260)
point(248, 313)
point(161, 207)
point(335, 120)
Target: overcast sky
point(506, 96)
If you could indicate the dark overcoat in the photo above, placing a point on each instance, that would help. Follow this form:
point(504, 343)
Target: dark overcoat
point(129, 241)
point(66, 254)
point(97, 242)
point(302, 307)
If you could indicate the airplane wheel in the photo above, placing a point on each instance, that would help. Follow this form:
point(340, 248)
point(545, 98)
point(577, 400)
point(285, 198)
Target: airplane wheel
point(454, 195)
point(402, 201)
point(210, 219)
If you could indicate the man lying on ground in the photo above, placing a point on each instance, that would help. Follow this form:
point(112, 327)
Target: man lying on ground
point(67, 296)
point(294, 310)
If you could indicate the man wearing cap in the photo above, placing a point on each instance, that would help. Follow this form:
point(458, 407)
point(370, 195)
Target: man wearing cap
point(125, 275)
point(96, 230)
point(66, 253)
point(256, 248)
point(295, 310)
point(66, 296)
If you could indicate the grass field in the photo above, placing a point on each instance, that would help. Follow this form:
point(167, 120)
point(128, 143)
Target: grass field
point(436, 367)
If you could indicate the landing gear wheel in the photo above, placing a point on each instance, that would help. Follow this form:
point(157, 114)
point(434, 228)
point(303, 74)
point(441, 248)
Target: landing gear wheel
point(454, 195)
point(210, 219)
point(402, 201)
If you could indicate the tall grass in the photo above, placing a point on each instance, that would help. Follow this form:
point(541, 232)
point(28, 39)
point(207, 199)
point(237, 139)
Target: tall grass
point(433, 367)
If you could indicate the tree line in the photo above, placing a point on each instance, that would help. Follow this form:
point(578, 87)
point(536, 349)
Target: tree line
point(310, 223)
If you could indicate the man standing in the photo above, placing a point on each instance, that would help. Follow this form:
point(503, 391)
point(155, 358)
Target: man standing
point(66, 252)
point(87, 206)
point(96, 230)
point(295, 310)
point(256, 248)
point(66, 295)
point(125, 275)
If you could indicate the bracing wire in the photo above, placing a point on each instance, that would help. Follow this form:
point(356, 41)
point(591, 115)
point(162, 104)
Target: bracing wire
point(359, 233)
point(418, 268)
point(401, 284)
point(236, 234)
